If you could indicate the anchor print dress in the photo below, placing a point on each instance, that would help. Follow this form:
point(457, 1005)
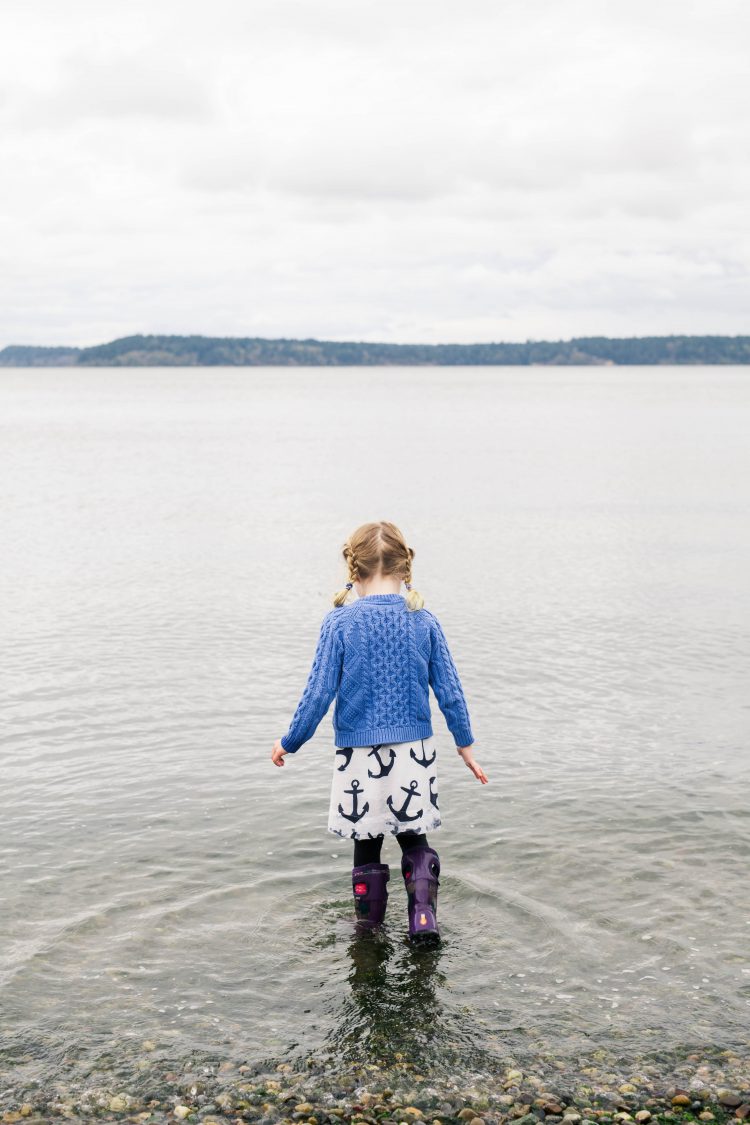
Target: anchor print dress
point(385, 789)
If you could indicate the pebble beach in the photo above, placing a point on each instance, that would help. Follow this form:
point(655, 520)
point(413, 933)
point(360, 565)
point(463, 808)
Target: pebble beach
point(715, 1089)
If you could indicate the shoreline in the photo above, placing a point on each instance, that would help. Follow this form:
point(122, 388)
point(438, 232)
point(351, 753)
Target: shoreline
point(307, 1092)
point(257, 351)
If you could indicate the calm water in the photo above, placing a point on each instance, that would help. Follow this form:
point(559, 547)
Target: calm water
point(170, 543)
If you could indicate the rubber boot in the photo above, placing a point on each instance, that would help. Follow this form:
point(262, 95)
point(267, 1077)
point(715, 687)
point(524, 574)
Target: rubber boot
point(369, 884)
point(420, 867)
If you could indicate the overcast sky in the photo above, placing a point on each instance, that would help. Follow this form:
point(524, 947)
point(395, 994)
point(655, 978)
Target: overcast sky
point(402, 170)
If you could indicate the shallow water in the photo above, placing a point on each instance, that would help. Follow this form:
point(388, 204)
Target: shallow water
point(170, 544)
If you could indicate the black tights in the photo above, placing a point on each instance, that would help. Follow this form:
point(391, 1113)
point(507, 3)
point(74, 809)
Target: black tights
point(368, 851)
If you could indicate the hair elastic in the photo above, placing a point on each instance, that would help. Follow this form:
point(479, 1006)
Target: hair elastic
point(349, 585)
point(408, 585)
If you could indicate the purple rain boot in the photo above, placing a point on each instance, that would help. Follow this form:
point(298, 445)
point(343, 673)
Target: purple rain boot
point(370, 893)
point(420, 867)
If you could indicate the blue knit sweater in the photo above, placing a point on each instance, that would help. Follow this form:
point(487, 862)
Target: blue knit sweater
point(379, 659)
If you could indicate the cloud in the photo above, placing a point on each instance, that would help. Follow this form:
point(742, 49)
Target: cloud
point(373, 170)
point(111, 86)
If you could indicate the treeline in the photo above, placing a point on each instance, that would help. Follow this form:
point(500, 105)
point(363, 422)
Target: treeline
point(217, 351)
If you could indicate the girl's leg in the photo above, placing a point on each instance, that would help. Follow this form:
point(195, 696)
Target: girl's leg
point(369, 882)
point(367, 851)
point(412, 840)
point(420, 867)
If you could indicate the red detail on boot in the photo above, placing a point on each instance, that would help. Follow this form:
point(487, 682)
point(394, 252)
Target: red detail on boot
point(360, 888)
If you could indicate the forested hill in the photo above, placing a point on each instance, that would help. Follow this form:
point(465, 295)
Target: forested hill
point(214, 351)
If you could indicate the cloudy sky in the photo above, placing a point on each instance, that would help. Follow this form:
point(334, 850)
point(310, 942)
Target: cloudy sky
point(402, 170)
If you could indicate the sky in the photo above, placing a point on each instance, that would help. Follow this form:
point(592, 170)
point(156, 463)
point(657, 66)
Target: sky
point(413, 171)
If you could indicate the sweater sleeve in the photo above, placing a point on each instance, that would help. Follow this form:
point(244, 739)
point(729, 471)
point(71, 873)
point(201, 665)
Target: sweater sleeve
point(322, 685)
point(446, 685)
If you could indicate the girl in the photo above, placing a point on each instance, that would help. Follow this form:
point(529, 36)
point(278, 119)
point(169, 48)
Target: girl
point(379, 656)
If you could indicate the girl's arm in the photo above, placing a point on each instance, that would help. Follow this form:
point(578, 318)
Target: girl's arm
point(472, 763)
point(445, 682)
point(322, 685)
point(446, 685)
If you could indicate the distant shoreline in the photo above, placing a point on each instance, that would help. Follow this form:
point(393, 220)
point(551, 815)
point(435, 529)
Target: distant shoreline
point(252, 351)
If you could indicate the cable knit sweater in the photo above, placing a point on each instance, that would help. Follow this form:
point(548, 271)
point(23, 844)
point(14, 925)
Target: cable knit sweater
point(379, 659)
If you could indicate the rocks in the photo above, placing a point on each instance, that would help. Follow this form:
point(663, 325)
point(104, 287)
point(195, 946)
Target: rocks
point(729, 1099)
point(119, 1103)
point(596, 1089)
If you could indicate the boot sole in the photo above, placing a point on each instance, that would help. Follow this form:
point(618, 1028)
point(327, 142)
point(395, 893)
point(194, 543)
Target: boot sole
point(425, 941)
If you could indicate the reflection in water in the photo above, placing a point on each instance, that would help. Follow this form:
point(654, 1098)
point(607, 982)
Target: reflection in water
point(396, 1008)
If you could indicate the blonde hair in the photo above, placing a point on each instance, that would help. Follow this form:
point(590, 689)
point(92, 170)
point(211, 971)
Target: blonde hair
point(380, 547)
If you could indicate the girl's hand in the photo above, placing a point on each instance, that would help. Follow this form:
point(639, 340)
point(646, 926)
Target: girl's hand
point(476, 769)
point(278, 753)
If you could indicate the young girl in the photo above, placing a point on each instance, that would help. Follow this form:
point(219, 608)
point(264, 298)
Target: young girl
point(379, 656)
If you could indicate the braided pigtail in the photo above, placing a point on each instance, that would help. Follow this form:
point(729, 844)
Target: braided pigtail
point(351, 560)
point(414, 599)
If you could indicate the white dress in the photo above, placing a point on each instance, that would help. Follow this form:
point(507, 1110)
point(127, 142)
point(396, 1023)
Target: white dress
point(389, 788)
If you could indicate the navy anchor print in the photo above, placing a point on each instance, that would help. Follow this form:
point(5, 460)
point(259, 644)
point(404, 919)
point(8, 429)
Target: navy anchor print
point(424, 760)
point(401, 814)
point(385, 788)
point(433, 796)
point(347, 752)
point(355, 815)
point(384, 769)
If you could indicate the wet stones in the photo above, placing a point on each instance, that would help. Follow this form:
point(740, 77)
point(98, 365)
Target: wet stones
point(711, 1090)
point(119, 1103)
point(729, 1098)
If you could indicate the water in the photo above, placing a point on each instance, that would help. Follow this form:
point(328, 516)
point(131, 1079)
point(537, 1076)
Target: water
point(170, 543)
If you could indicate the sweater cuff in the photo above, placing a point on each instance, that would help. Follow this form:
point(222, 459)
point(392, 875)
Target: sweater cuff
point(290, 746)
point(463, 737)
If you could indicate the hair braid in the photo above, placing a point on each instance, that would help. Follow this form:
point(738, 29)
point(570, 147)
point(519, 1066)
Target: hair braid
point(353, 568)
point(414, 599)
